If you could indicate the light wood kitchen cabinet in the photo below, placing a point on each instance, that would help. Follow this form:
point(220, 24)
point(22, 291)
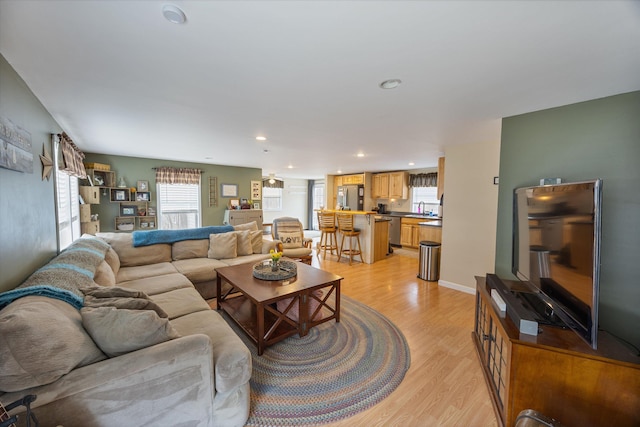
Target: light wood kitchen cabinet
point(380, 186)
point(398, 185)
point(440, 177)
point(412, 233)
point(390, 185)
point(353, 179)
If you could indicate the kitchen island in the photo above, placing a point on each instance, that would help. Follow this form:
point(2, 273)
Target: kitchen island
point(374, 234)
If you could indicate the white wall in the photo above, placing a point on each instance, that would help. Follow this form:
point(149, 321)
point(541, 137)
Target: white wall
point(294, 202)
point(470, 214)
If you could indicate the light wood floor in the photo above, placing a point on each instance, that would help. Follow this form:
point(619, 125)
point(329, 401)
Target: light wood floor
point(444, 385)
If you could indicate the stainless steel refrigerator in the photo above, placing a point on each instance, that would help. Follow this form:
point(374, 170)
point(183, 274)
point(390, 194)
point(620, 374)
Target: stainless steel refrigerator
point(351, 197)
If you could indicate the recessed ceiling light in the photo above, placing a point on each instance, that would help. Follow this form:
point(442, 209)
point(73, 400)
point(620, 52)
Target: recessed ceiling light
point(411, 163)
point(261, 138)
point(360, 155)
point(390, 84)
point(173, 14)
point(290, 167)
point(339, 171)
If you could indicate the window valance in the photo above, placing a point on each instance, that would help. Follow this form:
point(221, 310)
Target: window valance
point(277, 183)
point(423, 180)
point(72, 157)
point(169, 175)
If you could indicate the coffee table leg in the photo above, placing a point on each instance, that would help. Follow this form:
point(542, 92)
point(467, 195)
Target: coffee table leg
point(260, 314)
point(338, 302)
point(218, 292)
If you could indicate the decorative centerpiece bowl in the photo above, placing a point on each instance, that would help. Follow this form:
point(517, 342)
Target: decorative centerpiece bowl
point(285, 270)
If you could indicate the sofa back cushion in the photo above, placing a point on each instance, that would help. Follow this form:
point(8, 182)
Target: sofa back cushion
point(131, 256)
point(188, 249)
point(223, 245)
point(41, 339)
point(112, 259)
point(251, 226)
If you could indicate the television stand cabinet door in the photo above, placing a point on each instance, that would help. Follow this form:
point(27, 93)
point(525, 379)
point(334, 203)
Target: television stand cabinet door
point(555, 373)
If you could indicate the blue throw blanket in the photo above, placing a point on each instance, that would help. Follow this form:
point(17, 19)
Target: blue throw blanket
point(152, 237)
point(64, 275)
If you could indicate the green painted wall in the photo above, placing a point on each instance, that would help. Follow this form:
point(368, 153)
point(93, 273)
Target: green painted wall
point(27, 207)
point(594, 139)
point(135, 169)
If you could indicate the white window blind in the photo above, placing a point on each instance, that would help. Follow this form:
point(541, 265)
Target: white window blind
point(67, 208)
point(271, 199)
point(428, 195)
point(178, 206)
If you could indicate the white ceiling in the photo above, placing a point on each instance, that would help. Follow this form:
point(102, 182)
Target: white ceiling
point(120, 79)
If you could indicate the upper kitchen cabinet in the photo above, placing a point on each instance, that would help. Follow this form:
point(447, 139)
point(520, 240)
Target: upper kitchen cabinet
point(440, 177)
point(380, 186)
point(390, 185)
point(398, 185)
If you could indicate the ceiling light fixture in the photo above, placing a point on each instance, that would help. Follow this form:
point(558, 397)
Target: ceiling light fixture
point(390, 84)
point(411, 164)
point(360, 155)
point(173, 14)
point(261, 138)
point(272, 178)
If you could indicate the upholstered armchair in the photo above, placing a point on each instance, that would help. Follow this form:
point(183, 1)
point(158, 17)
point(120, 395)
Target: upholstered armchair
point(290, 239)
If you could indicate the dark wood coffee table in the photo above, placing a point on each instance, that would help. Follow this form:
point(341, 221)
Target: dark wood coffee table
point(251, 302)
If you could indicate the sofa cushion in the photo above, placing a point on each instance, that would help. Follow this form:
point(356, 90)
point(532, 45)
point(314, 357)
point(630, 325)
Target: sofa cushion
point(231, 357)
point(129, 255)
point(245, 259)
point(41, 339)
point(243, 243)
point(251, 226)
point(112, 259)
point(198, 269)
point(180, 302)
point(158, 284)
point(104, 275)
point(290, 240)
point(127, 274)
point(222, 245)
point(256, 241)
point(119, 331)
point(188, 249)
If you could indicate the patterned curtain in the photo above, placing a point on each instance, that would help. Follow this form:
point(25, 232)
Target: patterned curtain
point(423, 180)
point(72, 157)
point(277, 184)
point(167, 175)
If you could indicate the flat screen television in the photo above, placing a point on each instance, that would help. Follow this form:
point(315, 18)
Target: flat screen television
point(556, 251)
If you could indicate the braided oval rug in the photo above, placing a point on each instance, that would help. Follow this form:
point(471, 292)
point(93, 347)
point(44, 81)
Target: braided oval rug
point(336, 371)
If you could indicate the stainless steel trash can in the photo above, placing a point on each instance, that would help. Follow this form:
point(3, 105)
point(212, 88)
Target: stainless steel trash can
point(429, 268)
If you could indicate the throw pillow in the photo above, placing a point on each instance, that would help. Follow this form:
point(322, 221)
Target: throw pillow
point(222, 245)
point(119, 331)
point(41, 339)
point(251, 226)
point(290, 240)
point(256, 241)
point(243, 243)
point(104, 275)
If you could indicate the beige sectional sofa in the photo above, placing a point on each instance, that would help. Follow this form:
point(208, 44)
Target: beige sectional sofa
point(147, 350)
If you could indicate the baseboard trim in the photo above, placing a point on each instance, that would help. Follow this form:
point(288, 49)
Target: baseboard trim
point(457, 287)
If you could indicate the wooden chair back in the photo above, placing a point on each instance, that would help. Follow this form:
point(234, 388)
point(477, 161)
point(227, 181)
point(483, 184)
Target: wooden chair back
point(345, 222)
point(327, 221)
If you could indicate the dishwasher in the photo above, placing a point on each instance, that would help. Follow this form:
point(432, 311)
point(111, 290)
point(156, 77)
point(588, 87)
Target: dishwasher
point(394, 230)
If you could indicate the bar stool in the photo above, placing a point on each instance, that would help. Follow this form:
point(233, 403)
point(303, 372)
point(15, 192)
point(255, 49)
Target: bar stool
point(328, 240)
point(345, 226)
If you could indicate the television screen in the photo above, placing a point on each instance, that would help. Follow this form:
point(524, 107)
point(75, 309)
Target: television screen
point(556, 248)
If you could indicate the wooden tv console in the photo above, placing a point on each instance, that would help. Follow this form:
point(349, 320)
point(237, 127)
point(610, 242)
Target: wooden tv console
point(555, 372)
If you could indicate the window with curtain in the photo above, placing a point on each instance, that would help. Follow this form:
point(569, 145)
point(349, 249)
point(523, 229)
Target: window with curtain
point(318, 202)
point(69, 166)
point(424, 190)
point(178, 194)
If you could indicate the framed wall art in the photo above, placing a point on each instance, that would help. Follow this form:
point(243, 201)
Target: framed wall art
point(229, 190)
point(128, 210)
point(256, 190)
